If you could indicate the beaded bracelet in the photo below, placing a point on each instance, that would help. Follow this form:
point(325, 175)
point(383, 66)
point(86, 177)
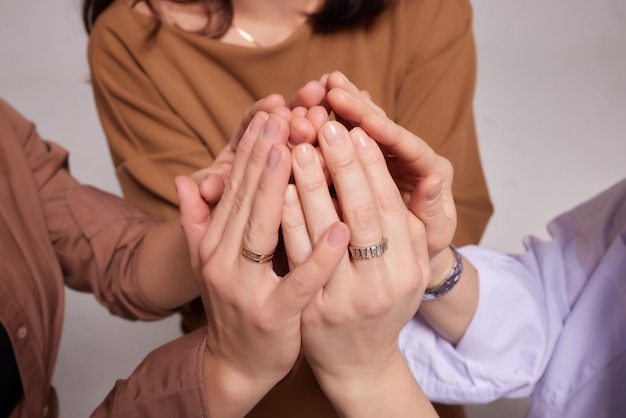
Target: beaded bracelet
point(450, 282)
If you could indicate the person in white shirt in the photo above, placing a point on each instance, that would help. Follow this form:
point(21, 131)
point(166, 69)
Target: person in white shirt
point(550, 323)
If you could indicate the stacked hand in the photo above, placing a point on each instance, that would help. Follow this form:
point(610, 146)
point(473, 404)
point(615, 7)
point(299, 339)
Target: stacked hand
point(342, 309)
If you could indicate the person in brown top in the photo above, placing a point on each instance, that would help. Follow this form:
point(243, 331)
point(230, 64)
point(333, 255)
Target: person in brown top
point(170, 90)
point(55, 231)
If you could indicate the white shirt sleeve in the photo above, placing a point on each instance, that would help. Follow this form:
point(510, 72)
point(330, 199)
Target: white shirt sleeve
point(550, 322)
point(508, 344)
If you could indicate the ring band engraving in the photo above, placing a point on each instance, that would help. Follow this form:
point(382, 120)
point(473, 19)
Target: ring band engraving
point(371, 251)
point(256, 257)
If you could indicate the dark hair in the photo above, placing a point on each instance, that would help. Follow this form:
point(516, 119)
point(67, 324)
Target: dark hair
point(334, 14)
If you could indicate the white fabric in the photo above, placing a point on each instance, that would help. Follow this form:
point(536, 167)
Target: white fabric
point(550, 323)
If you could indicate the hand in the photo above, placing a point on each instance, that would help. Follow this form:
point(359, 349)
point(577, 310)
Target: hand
point(425, 181)
point(253, 331)
point(211, 179)
point(423, 177)
point(350, 329)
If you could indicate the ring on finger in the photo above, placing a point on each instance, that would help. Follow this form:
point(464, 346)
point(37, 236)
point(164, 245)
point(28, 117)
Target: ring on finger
point(370, 251)
point(256, 257)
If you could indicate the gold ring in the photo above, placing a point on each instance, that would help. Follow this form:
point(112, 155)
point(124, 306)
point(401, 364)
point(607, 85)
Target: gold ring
point(370, 251)
point(256, 257)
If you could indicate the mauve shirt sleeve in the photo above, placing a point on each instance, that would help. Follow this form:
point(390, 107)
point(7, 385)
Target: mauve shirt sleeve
point(96, 238)
point(167, 383)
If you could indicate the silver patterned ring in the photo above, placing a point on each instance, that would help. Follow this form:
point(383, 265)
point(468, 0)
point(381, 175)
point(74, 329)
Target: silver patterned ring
point(370, 251)
point(256, 257)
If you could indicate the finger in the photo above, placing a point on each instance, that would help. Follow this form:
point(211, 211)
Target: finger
point(282, 111)
point(299, 111)
point(195, 216)
point(261, 234)
point(347, 101)
point(295, 233)
point(311, 94)
point(242, 156)
point(439, 219)
point(317, 115)
point(358, 207)
point(304, 127)
point(391, 208)
point(418, 158)
point(301, 131)
point(307, 279)
point(274, 132)
point(211, 188)
point(266, 104)
point(319, 210)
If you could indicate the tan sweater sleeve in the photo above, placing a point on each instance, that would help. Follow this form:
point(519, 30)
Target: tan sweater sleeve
point(435, 102)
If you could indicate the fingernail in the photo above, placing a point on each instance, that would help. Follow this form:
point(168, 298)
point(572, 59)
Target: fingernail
point(342, 77)
point(333, 135)
point(291, 196)
point(337, 235)
point(304, 156)
point(271, 128)
point(434, 193)
point(273, 158)
point(256, 124)
point(344, 93)
point(362, 138)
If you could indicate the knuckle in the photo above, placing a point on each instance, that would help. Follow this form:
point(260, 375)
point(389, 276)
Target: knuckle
point(257, 156)
point(240, 206)
point(378, 303)
point(300, 287)
point(365, 214)
point(390, 201)
point(311, 184)
point(345, 161)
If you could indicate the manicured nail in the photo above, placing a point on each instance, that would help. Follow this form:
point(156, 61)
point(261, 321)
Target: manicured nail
point(362, 139)
point(333, 135)
point(342, 76)
point(434, 193)
point(256, 124)
point(271, 128)
point(337, 235)
point(304, 156)
point(273, 158)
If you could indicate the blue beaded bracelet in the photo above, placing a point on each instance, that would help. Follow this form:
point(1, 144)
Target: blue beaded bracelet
point(450, 282)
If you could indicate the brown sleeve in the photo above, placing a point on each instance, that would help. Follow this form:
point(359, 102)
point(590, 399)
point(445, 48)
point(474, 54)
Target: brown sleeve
point(95, 235)
point(167, 383)
point(435, 103)
point(150, 144)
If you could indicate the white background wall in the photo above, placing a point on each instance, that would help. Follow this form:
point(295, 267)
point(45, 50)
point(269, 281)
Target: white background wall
point(551, 116)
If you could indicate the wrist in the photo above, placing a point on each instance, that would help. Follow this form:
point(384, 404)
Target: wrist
point(450, 279)
point(389, 389)
point(441, 267)
point(229, 392)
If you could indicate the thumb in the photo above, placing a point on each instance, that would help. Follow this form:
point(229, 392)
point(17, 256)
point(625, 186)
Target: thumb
point(308, 278)
point(195, 216)
point(428, 205)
